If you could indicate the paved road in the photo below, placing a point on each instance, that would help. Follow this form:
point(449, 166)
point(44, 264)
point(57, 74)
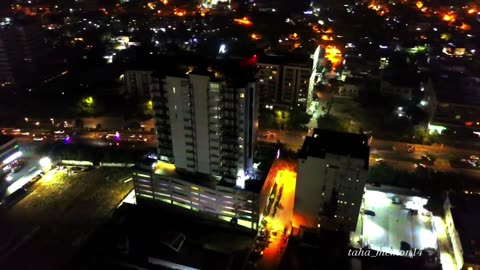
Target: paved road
point(294, 140)
point(19, 178)
point(400, 158)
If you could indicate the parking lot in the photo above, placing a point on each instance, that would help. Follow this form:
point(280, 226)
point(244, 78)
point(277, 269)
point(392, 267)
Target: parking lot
point(387, 220)
point(57, 214)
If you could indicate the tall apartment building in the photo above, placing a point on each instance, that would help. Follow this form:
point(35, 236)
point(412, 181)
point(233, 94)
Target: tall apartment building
point(331, 175)
point(295, 86)
point(283, 81)
point(206, 123)
point(137, 83)
point(268, 83)
point(21, 52)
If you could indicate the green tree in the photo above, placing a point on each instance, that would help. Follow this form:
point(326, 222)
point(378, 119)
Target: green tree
point(298, 119)
point(382, 174)
point(86, 106)
point(148, 108)
point(333, 123)
point(266, 119)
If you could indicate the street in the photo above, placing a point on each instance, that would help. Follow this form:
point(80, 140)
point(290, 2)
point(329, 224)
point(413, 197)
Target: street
point(391, 152)
point(29, 170)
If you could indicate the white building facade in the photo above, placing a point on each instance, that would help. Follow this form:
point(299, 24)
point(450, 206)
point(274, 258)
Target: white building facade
point(331, 176)
point(205, 126)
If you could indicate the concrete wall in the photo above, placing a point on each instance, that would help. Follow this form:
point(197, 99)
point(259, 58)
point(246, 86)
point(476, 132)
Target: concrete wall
point(200, 93)
point(223, 202)
point(318, 178)
point(177, 89)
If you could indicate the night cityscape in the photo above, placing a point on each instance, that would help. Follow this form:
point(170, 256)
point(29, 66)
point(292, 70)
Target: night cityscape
point(239, 134)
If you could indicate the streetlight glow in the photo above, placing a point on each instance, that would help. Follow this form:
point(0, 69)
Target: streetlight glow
point(45, 163)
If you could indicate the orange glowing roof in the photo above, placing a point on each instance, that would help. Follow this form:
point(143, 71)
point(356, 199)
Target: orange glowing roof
point(334, 55)
point(448, 18)
point(465, 27)
point(243, 21)
point(327, 38)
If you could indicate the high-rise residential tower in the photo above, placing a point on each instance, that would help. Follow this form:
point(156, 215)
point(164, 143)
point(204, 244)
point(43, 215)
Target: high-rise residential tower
point(206, 122)
point(331, 175)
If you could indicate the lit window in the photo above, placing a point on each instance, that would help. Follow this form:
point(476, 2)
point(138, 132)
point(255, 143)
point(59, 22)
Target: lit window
point(242, 95)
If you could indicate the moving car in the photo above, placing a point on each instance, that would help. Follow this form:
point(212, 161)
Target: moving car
point(410, 148)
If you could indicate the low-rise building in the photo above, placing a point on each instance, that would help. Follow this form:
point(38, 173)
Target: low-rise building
point(351, 87)
point(461, 217)
point(398, 83)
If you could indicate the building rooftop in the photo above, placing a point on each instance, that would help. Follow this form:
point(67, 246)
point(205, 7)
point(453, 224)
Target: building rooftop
point(286, 60)
point(236, 72)
point(465, 216)
point(178, 239)
point(209, 181)
point(327, 141)
point(169, 170)
point(392, 222)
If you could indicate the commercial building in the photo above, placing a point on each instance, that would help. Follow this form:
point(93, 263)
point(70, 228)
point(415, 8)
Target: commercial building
point(453, 101)
point(159, 181)
point(391, 216)
point(9, 153)
point(461, 218)
point(331, 175)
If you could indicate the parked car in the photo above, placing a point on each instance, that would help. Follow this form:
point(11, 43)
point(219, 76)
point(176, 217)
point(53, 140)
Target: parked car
point(17, 168)
point(369, 213)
